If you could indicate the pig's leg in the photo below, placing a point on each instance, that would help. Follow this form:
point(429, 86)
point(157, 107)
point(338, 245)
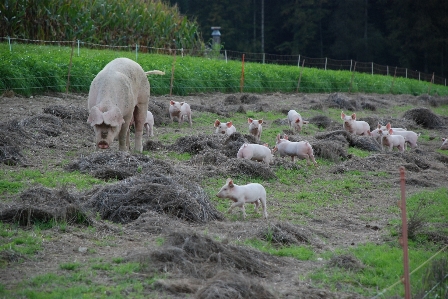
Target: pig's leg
point(151, 130)
point(263, 206)
point(238, 204)
point(256, 204)
point(140, 112)
point(189, 118)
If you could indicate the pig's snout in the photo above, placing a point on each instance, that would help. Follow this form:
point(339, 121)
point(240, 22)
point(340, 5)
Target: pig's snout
point(103, 145)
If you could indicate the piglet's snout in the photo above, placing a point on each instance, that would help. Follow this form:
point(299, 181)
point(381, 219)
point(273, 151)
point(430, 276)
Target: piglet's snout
point(104, 134)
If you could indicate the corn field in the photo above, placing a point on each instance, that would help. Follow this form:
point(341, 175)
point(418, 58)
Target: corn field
point(118, 22)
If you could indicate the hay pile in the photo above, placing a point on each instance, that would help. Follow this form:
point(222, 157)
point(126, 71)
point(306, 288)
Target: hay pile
point(425, 118)
point(118, 165)
point(41, 205)
point(202, 257)
point(10, 153)
point(341, 101)
point(126, 200)
point(347, 262)
point(361, 142)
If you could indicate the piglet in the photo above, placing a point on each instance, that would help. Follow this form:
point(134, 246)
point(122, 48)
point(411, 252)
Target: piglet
point(354, 126)
point(255, 127)
point(409, 136)
point(224, 128)
point(149, 124)
point(444, 144)
point(250, 193)
point(301, 149)
point(295, 120)
point(255, 152)
point(180, 110)
point(390, 140)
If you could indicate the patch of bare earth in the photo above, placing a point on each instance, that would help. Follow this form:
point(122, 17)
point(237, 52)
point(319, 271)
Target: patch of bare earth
point(150, 198)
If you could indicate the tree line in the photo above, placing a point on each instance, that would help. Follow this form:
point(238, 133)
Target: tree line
point(404, 33)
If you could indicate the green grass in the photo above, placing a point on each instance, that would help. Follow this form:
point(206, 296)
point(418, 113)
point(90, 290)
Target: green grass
point(14, 181)
point(19, 69)
point(303, 253)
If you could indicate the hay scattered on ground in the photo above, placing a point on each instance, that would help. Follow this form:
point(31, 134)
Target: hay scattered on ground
point(67, 112)
point(249, 99)
point(321, 121)
point(202, 257)
point(425, 118)
point(362, 142)
point(340, 101)
point(41, 205)
point(126, 200)
point(231, 285)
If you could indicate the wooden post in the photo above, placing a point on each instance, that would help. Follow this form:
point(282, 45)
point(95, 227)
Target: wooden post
point(404, 236)
point(430, 83)
point(69, 69)
point(300, 77)
point(172, 73)
point(393, 80)
point(353, 75)
point(242, 75)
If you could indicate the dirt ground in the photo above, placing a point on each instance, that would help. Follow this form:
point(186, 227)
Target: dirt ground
point(44, 131)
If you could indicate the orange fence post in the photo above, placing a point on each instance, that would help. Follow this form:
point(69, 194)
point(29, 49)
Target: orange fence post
point(404, 236)
point(242, 75)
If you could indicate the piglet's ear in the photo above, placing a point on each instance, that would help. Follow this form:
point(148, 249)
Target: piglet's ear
point(342, 115)
point(217, 122)
point(229, 124)
point(379, 126)
point(249, 120)
point(443, 139)
point(388, 126)
point(95, 116)
point(391, 131)
point(113, 117)
point(231, 184)
point(353, 116)
point(260, 121)
point(172, 103)
point(306, 122)
point(297, 120)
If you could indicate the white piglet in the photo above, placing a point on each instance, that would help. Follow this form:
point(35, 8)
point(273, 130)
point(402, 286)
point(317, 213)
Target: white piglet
point(301, 149)
point(250, 193)
point(224, 128)
point(180, 110)
point(390, 140)
point(255, 152)
point(149, 124)
point(353, 126)
point(409, 136)
point(295, 120)
point(255, 127)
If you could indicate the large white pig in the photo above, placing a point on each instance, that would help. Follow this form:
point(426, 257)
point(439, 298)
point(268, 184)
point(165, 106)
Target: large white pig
point(301, 149)
point(255, 127)
point(224, 128)
point(295, 120)
point(390, 140)
point(250, 193)
point(119, 92)
point(180, 110)
point(353, 126)
point(444, 144)
point(255, 152)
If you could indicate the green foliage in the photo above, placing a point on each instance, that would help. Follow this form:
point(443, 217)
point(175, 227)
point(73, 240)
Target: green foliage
point(15, 181)
point(35, 69)
point(302, 253)
point(17, 242)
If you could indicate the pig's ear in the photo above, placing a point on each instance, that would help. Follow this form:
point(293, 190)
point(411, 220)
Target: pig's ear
point(391, 131)
point(305, 122)
point(230, 183)
point(267, 145)
point(285, 137)
point(354, 116)
point(278, 137)
point(217, 122)
point(229, 124)
point(171, 102)
point(388, 126)
point(95, 116)
point(369, 133)
point(260, 121)
point(298, 120)
point(249, 120)
point(379, 126)
point(342, 115)
point(181, 103)
point(113, 117)
point(443, 139)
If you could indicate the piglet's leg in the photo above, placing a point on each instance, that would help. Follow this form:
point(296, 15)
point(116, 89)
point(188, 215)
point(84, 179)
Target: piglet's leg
point(238, 204)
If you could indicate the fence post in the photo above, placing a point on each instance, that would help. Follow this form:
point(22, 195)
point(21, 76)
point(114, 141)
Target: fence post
point(78, 47)
point(298, 63)
point(326, 60)
point(264, 54)
point(353, 74)
point(300, 77)
point(404, 236)
point(372, 68)
point(69, 68)
point(406, 73)
point(172, 73)
point(242, 75)
point(9, 43)
point(351, 63)
point(225, 54)
point(136, 52)
point(387, 71)
point(393, 80)
point(430, 84)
